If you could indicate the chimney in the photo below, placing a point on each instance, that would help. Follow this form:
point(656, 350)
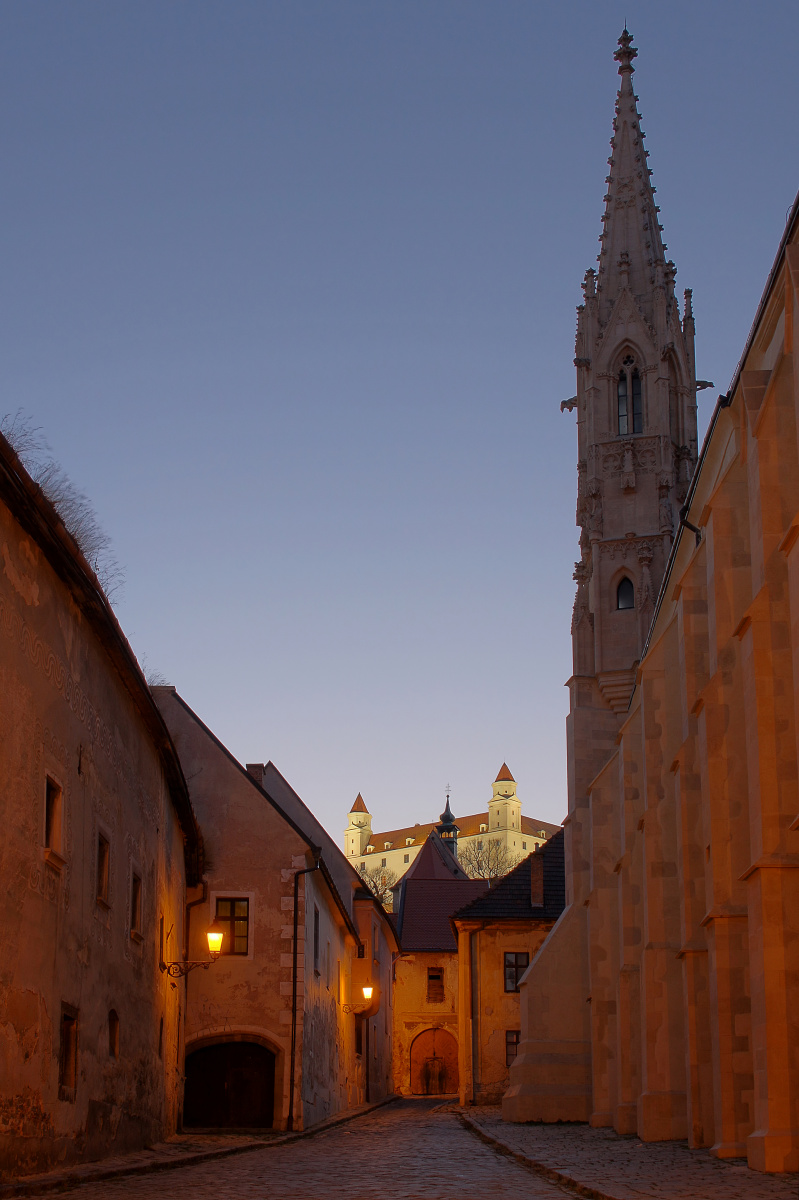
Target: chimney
point(257, 772)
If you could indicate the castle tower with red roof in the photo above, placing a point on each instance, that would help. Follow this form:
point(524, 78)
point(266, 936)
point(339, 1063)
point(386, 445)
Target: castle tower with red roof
point(396, 849)
point(359, 829)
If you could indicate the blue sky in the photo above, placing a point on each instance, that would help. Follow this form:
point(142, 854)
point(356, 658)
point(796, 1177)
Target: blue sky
point(290, 288)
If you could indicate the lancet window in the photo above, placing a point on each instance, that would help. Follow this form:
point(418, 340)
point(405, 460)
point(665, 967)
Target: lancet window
point(625, 594)
point(629, 400)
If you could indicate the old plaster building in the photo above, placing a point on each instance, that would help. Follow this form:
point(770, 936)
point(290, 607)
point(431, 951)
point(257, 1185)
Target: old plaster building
point(99, 841)
point(503, 823)
point(676, 961)
point(498, 935)
point(277, 1032)
point(426, 989)
point(465, 947)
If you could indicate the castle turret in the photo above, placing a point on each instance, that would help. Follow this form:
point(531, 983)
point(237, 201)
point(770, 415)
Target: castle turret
point(448, 830)
point(504, 807)
point(358, 833)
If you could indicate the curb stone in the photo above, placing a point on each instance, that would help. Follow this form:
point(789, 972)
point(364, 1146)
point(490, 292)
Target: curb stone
point(550, 1173)
point(90, 1173)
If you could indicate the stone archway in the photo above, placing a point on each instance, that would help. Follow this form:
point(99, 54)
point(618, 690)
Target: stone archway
point(434, 1063)
point(230, 1084)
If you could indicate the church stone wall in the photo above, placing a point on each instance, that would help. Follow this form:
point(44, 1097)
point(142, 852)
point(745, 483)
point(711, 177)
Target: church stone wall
point(686, 942)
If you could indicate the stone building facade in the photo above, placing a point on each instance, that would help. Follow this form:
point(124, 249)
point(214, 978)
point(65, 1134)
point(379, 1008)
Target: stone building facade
point(676, 961)
point(498, 935)
point(426, 993)
point(270, 1038)
point(99, 841)
point(395, 850)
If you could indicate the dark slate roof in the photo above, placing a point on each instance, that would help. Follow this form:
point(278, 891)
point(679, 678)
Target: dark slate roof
point(426, 908)
point(511, 899)
point(435, 861)
point(430, 891)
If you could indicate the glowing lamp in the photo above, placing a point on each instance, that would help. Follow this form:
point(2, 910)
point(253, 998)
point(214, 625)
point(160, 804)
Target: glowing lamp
point(367, 993)
point(215, 935)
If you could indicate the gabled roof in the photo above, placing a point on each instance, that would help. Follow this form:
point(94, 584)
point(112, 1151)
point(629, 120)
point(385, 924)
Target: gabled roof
point(504, 775)
point(427, 904)
point(429, 892)
point(359, 805)
point(435, 861)
point(539, 876)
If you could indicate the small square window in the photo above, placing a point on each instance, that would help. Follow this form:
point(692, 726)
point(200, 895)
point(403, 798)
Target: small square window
point(233, 914)
point(103, 868)
point(515, 966)
point(512, 1039)
point(68, 1054)
point(435, 985)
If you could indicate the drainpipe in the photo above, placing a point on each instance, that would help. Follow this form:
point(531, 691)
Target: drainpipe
point(317, 853)
point(187, 922)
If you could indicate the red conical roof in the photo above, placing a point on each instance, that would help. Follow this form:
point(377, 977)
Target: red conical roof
point(359, 805)
point(504, 775)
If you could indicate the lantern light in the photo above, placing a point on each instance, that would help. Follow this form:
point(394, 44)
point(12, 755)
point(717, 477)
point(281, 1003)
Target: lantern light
point(215, 935)
point(367, 993)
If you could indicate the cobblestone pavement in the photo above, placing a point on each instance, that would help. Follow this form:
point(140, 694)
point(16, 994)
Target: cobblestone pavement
point(401, 1152)
point(624, 1168)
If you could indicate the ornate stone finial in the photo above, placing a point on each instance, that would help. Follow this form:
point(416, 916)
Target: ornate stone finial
point(689, 306)
point(589, 283)
point(626, 53)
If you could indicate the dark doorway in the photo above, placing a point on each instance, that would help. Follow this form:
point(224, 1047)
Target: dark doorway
point(231, 1084)
point(434, 1063)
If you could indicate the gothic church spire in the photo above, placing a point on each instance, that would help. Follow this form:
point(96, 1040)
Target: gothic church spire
point(632, 251)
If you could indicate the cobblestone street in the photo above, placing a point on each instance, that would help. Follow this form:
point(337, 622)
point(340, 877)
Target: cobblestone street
point(410, 1150)
point(403, 1150)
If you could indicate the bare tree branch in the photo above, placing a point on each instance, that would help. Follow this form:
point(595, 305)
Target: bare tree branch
point(486, 858)
point(380, 881)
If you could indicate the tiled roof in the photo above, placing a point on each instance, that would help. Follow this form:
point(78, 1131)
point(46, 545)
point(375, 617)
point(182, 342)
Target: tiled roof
point(467, 827)
point(359, 805)
point(511, 897)
point(504, 775)
point(435, 861)
point(427, 905)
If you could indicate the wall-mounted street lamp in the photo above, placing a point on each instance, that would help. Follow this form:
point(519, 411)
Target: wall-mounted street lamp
point(360, 1008)
point(215, 935)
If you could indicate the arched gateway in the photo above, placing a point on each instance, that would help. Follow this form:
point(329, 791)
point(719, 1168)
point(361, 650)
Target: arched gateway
point(230, 1084)
point(434, 1063)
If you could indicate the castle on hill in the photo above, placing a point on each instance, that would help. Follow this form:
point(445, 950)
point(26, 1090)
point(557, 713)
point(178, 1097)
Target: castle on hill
point(396, 849)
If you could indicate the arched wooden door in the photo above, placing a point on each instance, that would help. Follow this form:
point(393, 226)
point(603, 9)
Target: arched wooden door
point(231, 1084)
point(434, 1063)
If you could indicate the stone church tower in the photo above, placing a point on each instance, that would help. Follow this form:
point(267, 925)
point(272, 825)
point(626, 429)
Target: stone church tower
point(637, 442)
point(636, 431)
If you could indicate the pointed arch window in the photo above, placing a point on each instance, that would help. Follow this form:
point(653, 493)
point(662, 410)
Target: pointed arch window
point(629, 399)
point(625, 594)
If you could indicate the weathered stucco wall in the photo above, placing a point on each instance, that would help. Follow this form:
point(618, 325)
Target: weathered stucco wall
point(254, 848)
point(66, 714)
point(414, 1012)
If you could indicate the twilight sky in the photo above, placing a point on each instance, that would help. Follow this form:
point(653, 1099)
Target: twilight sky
point(290, 288)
